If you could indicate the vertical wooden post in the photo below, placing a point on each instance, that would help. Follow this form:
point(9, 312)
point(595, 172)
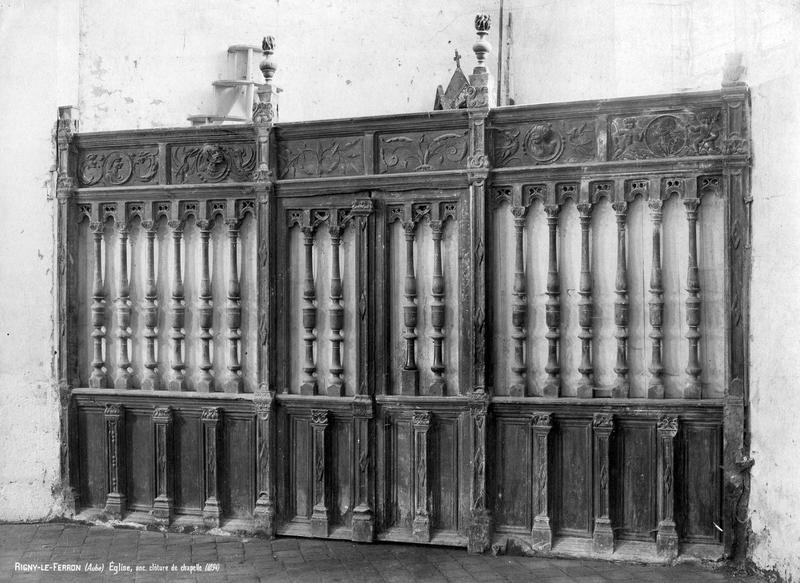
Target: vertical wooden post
point(655, 388)
point(585, 307)
point(479, 99)
point(320, 421)
point(542, 533)
point(124, 380)
point(693, 369)
point(205, 311)
point(421, 527)
point(553, 306)
point(210, 419)
point(667, 537)
point(363, 515)
point(162, 430)
point(519, 307)
point(98, 378)
point(177, 381)
point(264, 513)
point(335, 386)
point(603, 538)
point(308, 383)
point(233, 310)
point(115, 460)
point(409, 376)
point(66, 309)
point(621, 387)
point(736, 192)
point(151, 380)
point(437, 386)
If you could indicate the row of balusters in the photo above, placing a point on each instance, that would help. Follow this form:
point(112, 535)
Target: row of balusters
point(587, 387)
point(176, 380)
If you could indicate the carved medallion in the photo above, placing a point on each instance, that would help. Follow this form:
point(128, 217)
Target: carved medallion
point(542, 143)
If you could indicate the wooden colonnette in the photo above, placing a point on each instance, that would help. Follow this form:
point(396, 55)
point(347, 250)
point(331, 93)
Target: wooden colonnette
point(296, 328)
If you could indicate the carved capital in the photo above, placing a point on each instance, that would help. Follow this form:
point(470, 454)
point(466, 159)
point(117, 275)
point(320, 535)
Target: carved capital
point(210, 414)
point(542, 420)
point(320, 417)
point(668, 425)
point(113, 410)
point(421, 419)
point(162, 415)
point(603, 421)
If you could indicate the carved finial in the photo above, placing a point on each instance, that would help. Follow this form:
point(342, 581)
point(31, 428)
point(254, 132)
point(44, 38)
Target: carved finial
point(482, 47)
point(457, 59)
point(733, 70)
point(267, 65)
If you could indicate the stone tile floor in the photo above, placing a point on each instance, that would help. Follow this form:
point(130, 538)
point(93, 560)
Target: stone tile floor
point(232, 558)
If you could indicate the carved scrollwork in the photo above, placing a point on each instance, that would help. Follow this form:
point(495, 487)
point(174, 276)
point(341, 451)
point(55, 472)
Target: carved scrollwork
point(421, 418)
point(210, 413)
point(423, 151)
point(668, 135)
point(320, 416)
point(668, 424)
point(213, 163)
point(323, 157)
point(118, 167)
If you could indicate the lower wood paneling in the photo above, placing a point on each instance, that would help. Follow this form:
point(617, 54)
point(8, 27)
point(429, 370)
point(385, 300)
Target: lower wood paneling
point(512, 474)
point(699, 508)
point(140, 459)
point(92, 460)
point(636, 479)
point(188, 464)
point(237, 465)
point(444, 473)
point(573, 470)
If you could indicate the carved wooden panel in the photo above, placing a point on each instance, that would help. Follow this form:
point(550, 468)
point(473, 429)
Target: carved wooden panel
point(123, 167)
point(636, 474)
point(141, 482)
point(212, 162)
point(189, 465)
point(573, 461)
point(671, 134)
point(422, 151)
point(237, 486)
point(92, 467)
point(512, 471)
point(545, 142)
point(316, 158)
point(699, 506)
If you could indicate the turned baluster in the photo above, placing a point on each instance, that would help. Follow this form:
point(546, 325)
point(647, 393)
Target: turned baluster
point(585, 307)
point(336, 313)
point(621, 306)
point(308, 384)
point(553, 307)
point(519, 307)
point(233, 312)
point(97, 380)
point(693, 368)
point(205, 311)
point(437, 386)
point(177, 382)
point(124, 379)
point(655, 388)
point(150, 381)
point(409, 379)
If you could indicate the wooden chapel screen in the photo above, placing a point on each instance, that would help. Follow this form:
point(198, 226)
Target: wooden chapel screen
point(447, 328)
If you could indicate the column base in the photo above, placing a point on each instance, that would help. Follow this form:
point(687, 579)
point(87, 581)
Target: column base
point(603, 393)
point(621, 391)
point(552, 389)
point(421, 529)
point(308, 388)
point(176, 384)
point(232, 384)
point(655, 391)
point(162, 510)
point(585, 391)
point(319, 522)
point(212, 513)
point(204, 384)
point(516, 390)
point(97, 380)
point(693, 390)
point(123, 382)
point(409, 382)
point(542, 534)
point(335, 388)
point(151, 383)
point(667, 539)
point(264, 517)
point(363, 526)
point(437, 388)
point(603, 538)
point(115, 504)
point(480, 532)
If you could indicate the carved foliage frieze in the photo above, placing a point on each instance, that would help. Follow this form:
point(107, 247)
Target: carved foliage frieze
point(211, 163)
point(118, 167)
point(423, 151)
point(666, 135)
point(322, 157)
point(545, 142)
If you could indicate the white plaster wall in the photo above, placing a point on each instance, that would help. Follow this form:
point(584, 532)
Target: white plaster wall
point(150, 63)
point(33, 65)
